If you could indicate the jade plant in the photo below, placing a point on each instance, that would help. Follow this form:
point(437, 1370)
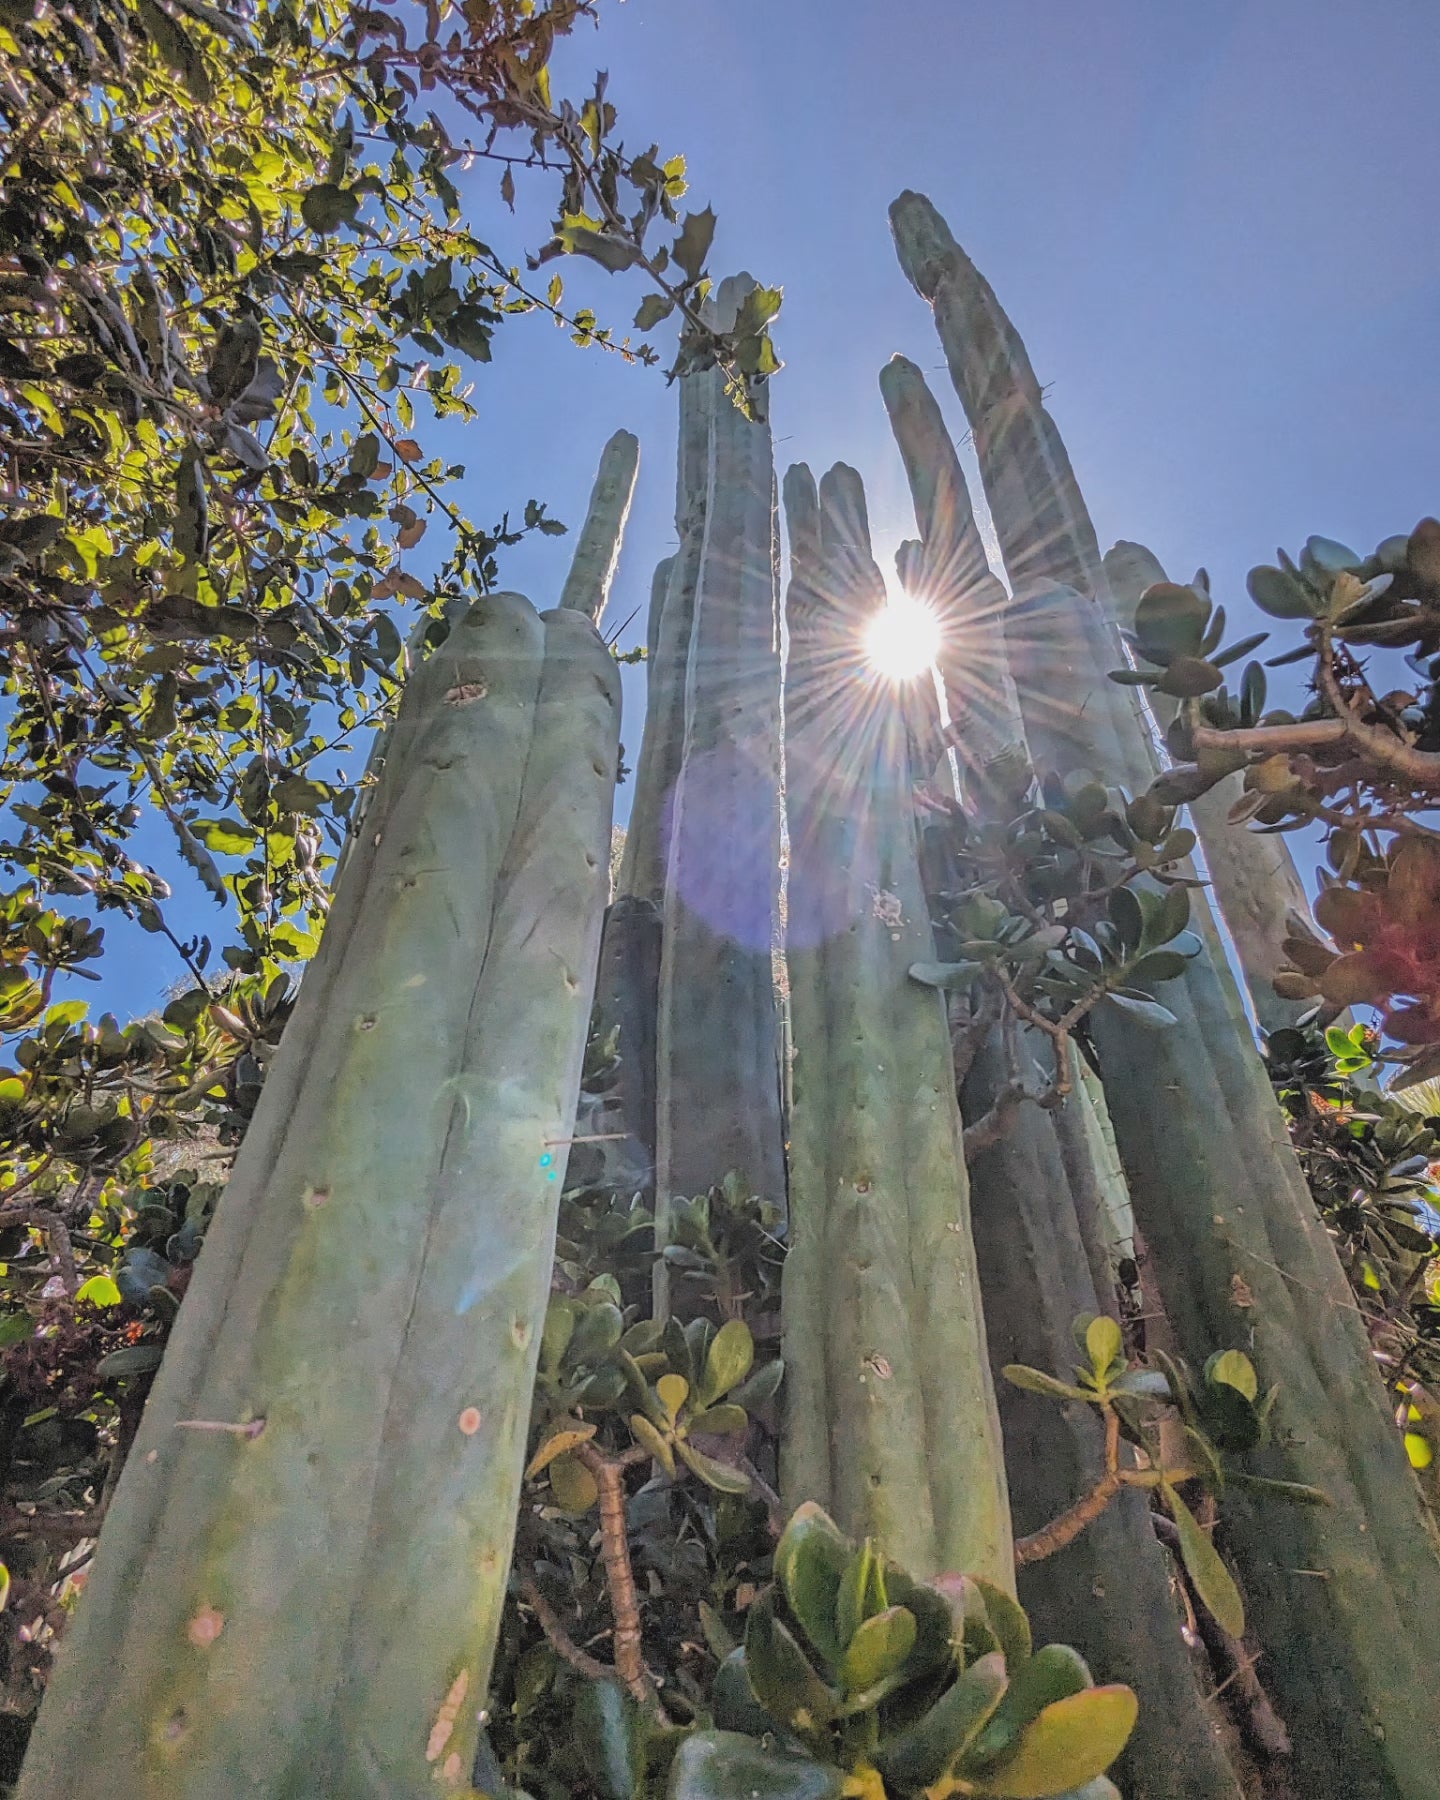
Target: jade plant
point(896, 1688)
point(1186, 1430)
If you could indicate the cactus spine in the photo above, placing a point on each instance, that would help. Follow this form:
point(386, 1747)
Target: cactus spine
point(1039, 1202)
point(1253, 878)
point(1352, 1653)
point(339, 1425)
point(891, 1416)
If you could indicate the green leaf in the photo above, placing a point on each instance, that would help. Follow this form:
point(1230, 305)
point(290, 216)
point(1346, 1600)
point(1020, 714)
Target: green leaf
point(15, 1328)
point(99, 1290)
point(1212, 1581)
point(952, 977)
point(721, 1765)
point(1279, 593)
point(650, 1439)
point(131, 1359)
point(862, 1592)
point(1103, 1343)
point(1007, 1619)
point(722, 1476)
point(733, 1704)
point(1069, 1743)
point(693, 244)
point(878, 1649)
point(654, 310)
point(921, 1756)
point(810, 1563)
point(1169, 622)
point(572, 1485)
point(1145, 1012)
point(1234, 1369)
point(327, 207)
point(728, 1361)
point(780, 1673)
point(719, 1421)
point(227, 837)
point(673, 1391)
point(1052, 1673)
point(1036, 1381)
point(610, 1738)
point(1294, 1491)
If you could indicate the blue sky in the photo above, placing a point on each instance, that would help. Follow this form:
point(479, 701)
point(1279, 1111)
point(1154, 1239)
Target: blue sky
point(1215, 227)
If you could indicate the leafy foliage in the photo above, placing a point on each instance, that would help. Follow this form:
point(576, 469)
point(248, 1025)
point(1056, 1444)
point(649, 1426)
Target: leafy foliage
point(1362, 762)
point(1049, 898)
point(1184, 1429)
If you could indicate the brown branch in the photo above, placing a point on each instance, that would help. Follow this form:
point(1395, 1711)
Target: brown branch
point(1421, 768)
point(609, 1473)
point(1270, 740)
point(560, 1639)
point(1064, 1530)
point(62, 1254)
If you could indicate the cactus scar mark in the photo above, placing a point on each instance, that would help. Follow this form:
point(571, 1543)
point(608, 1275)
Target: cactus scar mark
point(444, 1727)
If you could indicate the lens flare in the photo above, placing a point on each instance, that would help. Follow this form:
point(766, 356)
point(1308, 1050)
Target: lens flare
point(902, 639)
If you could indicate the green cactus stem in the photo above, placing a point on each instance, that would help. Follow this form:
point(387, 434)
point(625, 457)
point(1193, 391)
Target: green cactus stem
point(668, 632)
point(950, 571)
point(891, 1417)
point(1345, 1599)
point(1253, 877)
point(592, 569)
point(717, 1037)
point(301, 1572)
point(1108, 1592)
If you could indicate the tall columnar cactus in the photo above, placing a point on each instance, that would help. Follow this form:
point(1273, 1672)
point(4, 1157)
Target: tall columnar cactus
point(717, 1039)
point(951, 571)
point(890, 1420)
point(1345, 1599)
point(1253, 877)
point(1038, 1198)
point(300, 1578)
point(592, 569)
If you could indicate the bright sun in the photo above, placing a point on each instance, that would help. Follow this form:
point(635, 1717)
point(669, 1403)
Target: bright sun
point(902, 640)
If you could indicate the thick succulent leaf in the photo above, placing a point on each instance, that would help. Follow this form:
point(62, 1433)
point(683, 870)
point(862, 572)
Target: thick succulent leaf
point(1008, 1620)
point(921, 1755)
point(1170, 621)
point(878, 1649)
point(1279, 593)
point(810, 1563)
point(780, 1673)
point(1068, 1744)
point(1212, 1581)
point(728, 1361)
point(720, 1765)
point(733, 1704)
point(610, 1737)
point(1053, 1673)
point(724, 1477)
point(1036, 1381)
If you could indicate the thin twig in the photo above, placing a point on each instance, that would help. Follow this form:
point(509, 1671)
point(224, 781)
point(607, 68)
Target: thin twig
point(560, 1639)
